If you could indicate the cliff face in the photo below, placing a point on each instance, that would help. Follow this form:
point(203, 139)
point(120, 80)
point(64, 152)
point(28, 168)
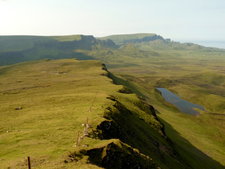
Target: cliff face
point(14, 49)
point(133, 38)
point(71, 114)
point(130, 135)
point(144, 39)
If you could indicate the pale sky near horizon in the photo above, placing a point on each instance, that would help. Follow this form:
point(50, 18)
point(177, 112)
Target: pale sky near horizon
point(175, 19)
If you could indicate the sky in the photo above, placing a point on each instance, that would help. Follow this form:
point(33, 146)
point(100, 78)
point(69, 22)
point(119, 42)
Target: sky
point(175, 19)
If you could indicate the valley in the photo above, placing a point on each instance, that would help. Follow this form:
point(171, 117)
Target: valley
point(54, 95)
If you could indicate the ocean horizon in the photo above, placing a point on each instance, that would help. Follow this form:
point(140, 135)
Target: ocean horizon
point(209, 43)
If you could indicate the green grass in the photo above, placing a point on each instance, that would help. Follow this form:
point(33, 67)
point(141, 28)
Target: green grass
point(44, 104)
point(204, 132)
point(68, 38)
point(122, 38)
point(193, 72)
point(15, 49)
point(20, 43)
point(55, 97)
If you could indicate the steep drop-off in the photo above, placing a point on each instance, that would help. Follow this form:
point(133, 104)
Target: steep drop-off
point(52, 107)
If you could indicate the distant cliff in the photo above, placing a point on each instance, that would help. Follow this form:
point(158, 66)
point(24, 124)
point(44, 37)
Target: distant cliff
point(14, 49)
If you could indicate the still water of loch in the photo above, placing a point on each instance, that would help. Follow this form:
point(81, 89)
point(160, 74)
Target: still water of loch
point(180, 104)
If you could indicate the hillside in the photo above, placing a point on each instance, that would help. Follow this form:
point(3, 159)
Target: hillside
point(193, 72)
point(132, 38)
point(150, 41)
point(45, 103)
point(53, 98)
point(14, 49)
point(68, 113)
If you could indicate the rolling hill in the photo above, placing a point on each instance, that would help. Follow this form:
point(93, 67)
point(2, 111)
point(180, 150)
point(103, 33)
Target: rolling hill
point(14, 49)
point(131, 125)
point(132, 38)
point(65, 113)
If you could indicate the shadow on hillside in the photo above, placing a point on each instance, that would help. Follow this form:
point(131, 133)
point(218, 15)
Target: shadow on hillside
point(8, 58)
point(188, 152)
point(120, 81)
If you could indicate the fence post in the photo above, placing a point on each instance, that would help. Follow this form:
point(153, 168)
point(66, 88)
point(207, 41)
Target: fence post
point(28, 161)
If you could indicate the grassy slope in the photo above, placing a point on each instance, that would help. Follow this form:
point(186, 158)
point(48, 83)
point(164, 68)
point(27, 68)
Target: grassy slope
point(14, 49)
point(120, 39)
point(179, 69)
point(189, 133)
point(205, 132)
point(67, 38)
point(55, 97)
point(20, 43)
point(43, 106)
point(194, 73)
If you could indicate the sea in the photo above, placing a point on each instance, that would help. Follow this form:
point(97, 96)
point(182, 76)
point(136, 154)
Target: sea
point(216, 44)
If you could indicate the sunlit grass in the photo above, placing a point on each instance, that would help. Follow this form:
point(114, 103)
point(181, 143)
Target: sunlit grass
point(54, 97)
